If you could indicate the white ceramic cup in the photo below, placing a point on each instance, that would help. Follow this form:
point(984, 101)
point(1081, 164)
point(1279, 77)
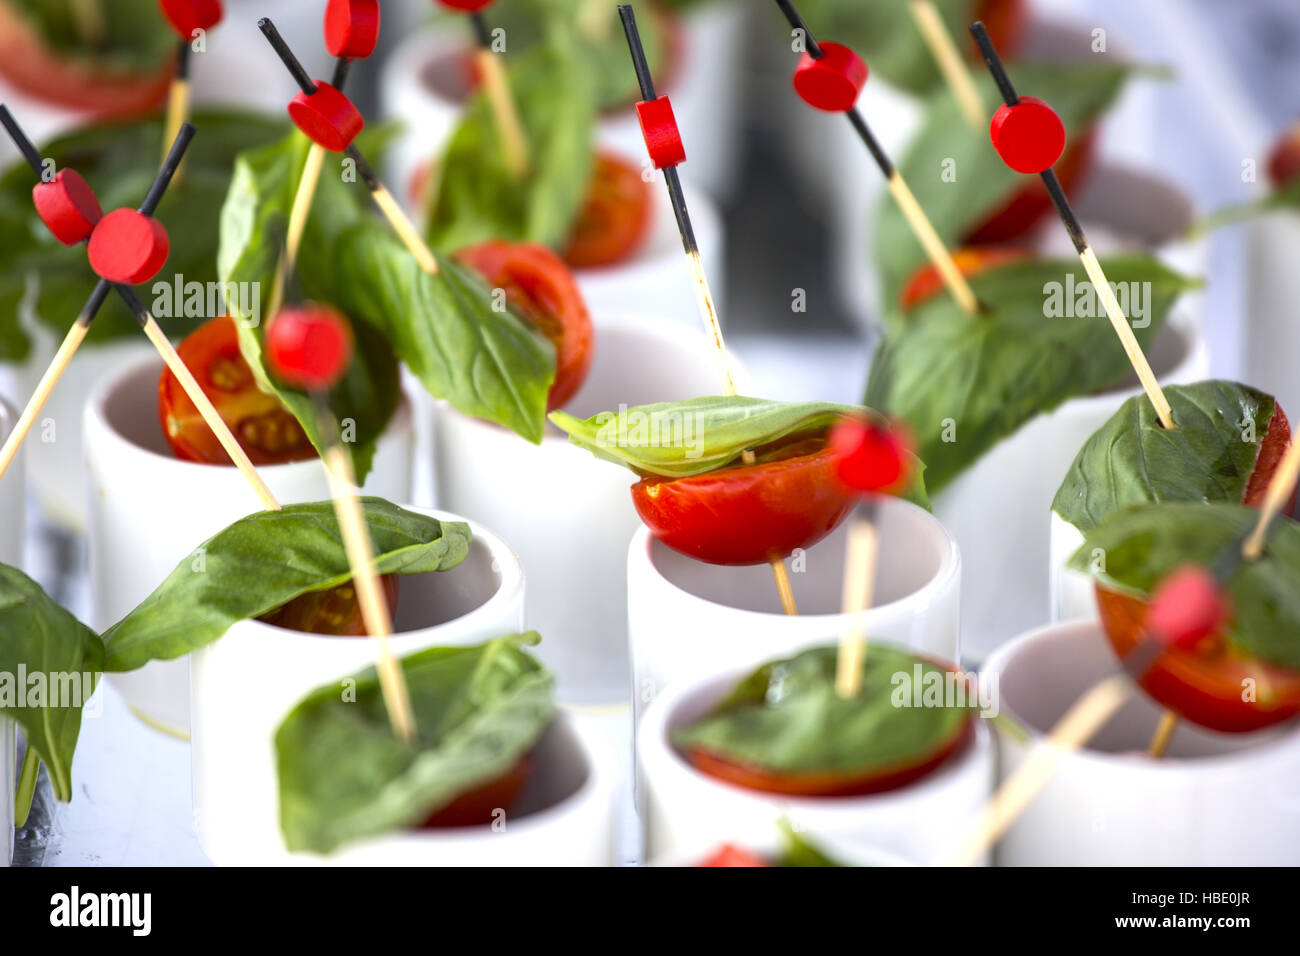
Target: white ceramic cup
point(149, 510)
point(247, 682)
point(1213, 800)
point(687, 619)
point(13, 501)
point(568, 514)
point(1271, 329)
point(999, 510)
point(688, 813)
point(8, 786)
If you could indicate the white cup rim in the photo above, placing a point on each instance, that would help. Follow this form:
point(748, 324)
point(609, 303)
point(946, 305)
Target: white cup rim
point(641, 552)
point(1269, 742)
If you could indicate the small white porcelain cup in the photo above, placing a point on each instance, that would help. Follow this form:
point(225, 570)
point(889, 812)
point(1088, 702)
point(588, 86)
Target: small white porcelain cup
point(687, 619)
point(687, 814)
point(247, 682)
point(568, 514)
point(8, 786)
point(148, 510)
point(13, 501)
point(1213, 800)
point(999, 510)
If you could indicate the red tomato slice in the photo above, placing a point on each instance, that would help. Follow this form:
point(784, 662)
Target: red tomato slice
point(790, 498)
point(335, 613)
point(1271, 451)
point(34, 68)
point(731, 855)
point(262, 425)
point(828, 784)
point(1006, 21)
point(615, 217)
point(541, 288)
point(926, 282)
point(1029, 204)
point(477, 807)
point(1205, 688)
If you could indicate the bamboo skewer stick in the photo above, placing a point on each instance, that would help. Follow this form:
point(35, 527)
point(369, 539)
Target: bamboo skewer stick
point(178, 98)
point(1279, 490)
point(496, 84)
point(703, 294)
point(1164, 734)
point(859, 579)
point(948, 58)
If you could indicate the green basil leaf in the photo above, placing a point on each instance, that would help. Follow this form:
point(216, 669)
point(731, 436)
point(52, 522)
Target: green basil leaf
point(344, 775)
point(475, 197)
point(983, 184)
point(787, 717)
point(136, 39)
point(119, 160)
point(992, 373)
point(266, 560)
point(1133, 460)
point(62, 660)
point(800, 851)
point(1144, 543)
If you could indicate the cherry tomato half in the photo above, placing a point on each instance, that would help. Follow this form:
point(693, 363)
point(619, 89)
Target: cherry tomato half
point(335, 613)
point(828, 784)
point(1030, 203)
point(731, 855)
point(32, 66)
point(541, 288)
point(926, 281)
point(615, 216)
point(1204, 687)
point(789, 498)
point(262, 425)
point(478, 807)
point(1271, 451)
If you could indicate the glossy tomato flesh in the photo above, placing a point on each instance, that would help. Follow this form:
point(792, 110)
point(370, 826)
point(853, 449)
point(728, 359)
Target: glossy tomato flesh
point(334, 613)
point(263, 426)
point(789, 498)
point(478, 807)
point(731, 855)
point(615, 216)
point(1271, 450)
point(540, 287)
point(1030, 203)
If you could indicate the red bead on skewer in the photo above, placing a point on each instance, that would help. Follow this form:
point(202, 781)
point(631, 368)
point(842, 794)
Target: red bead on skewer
point(663, 140)
point(128, 247)
point(352, 28)
point(833, 81)
point(187, 16)
point(1186, 608)
point(870, 458)
point(309, 347)
point(465, 6)
point(68, 207)
point(327, 117)
point(1029, 136)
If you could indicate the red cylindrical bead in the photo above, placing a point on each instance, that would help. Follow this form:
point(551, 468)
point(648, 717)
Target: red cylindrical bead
point(128, 247)
point(869, 457)
point(662, 138)
point(1029, 136)
point(309, 347)
point(465, 6)
point(186, 16)
point(68, 207)
point(833, 82)
point(352, 28)
point(327, 117)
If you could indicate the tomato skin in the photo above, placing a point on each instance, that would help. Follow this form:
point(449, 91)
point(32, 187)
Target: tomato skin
point(615, 217)
point(28, 64)
point(1204, 688)
point(1006, 22)
point(263, 426)
point(731, 855)
point(1029, 204)
point(476, 807)
point(541, 288)
point(746, 514)
point(926, 282)
point(1284, 160)
point(1271, 450)
point(829, 784)
point(332, 613)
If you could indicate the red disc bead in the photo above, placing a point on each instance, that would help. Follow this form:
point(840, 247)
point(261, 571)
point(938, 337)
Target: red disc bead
point(1029, 136)
point(465, 6)
point(352, 28)
point(327, 117)
point(186, 16)
point(1186, 608)
point(128, 247)
point(832, 82)
point(662, 138)
point(869, 457)
point(309, 347)
point(68, 207)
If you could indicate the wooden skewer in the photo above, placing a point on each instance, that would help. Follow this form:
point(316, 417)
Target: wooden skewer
point(1096, 275)
point(1079, 725)
point(859, 579)
point(394, 213)
point(949, 60)
point(1164, 734)
point(497, 86)
point(178, 98)
point(703, 293)
point(1279, 490)
point(926, 234)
